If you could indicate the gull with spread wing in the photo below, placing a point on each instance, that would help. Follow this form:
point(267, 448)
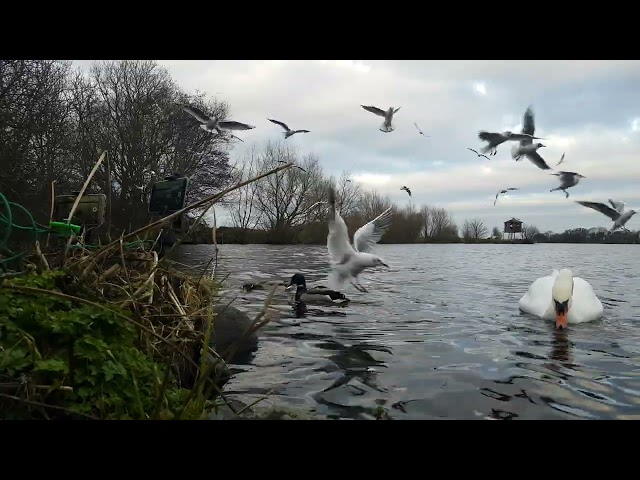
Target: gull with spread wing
point(288, 132)
point(567, 180)
point(506, 190)
point(209, 124)
point(386, 126)
point(615, 214)
point(528, 128)
point(348, 261)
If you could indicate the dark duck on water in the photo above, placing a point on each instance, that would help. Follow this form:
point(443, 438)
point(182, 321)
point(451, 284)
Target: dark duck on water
point(315, 295)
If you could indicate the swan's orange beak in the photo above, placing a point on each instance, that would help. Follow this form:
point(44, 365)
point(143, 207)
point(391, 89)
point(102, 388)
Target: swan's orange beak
point(562, 309)
point(561, 320)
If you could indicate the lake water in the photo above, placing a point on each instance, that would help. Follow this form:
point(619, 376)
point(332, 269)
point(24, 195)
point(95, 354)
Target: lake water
point(440, 335)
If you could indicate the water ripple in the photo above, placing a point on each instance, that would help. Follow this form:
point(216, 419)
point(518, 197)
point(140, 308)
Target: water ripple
point(439, 335)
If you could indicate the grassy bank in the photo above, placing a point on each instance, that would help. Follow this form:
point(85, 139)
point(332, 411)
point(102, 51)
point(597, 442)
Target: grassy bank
point(112, 331)
point(122, 338)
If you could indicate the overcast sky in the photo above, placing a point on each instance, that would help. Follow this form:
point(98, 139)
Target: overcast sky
point(589, 110)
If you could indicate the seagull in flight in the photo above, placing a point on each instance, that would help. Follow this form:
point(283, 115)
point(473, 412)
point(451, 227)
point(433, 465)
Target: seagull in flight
point(348, 261)
point(209, 124)
point(619, 218)
point(494, 139)
point(421, 132)
point(531, 152)
point(567, 180)
point(288, 132)
point(503, 191)
point(406, 189)
point(479, 154)
point(386, 126)
point(561, 159)
point(528, 128)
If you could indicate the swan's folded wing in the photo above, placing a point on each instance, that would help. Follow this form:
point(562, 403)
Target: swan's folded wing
point(368, 235)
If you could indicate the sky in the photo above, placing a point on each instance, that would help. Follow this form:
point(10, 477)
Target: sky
point(588, 110)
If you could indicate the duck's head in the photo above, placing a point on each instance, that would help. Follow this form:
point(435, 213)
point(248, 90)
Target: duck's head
point(562, 293)
point(297, 280)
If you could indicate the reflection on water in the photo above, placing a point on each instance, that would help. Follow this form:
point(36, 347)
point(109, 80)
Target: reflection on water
point(439, 335)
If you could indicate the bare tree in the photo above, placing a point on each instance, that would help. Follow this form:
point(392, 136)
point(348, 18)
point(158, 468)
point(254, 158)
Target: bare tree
point(474, 229)
point(529, 231)
point(372, 204)
point(148, 136)
point(285, 198)
point(437, 223)
point(243, 210)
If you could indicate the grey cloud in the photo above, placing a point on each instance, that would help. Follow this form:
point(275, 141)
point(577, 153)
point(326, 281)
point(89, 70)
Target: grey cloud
point(583, 108)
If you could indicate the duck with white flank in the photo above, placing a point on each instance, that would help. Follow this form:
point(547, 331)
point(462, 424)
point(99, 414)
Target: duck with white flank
point(619, 216)
point(348, 261)
point(386, 126)
point(315, 295)
point(567, 180)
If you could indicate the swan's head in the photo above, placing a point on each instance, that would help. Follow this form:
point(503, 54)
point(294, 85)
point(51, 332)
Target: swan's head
point(562, 293)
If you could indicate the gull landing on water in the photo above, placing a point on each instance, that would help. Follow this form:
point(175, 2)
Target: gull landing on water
point(406, 189)
point(288, 132)
point(615, 214)
point(347, 261)
point(503, 191)
point(567, 180)
point(209, 124)
point(386, 126)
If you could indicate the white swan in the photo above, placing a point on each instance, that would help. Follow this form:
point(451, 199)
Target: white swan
point(562, 296)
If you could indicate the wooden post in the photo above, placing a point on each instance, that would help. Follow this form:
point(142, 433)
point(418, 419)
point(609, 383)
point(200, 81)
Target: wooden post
point(108, 187)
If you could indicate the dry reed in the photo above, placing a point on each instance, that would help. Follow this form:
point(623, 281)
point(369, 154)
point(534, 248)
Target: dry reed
point(172, 310)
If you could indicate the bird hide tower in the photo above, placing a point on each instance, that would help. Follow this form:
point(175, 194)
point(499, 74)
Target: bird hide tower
point(513, 227)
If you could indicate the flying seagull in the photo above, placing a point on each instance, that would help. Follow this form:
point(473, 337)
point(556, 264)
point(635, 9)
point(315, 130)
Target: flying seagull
point(479, 154)
point(561, 159)
point(531, 152)
point(567, 180)
point(619, 218)
point(421, 132)
point(528, 128)
point(209, 124)
point(348, 261)
point(386, 126)
point(288, 132)
point(494, 139)
point(503, 191)
point(406, 189)
point(619, 206)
